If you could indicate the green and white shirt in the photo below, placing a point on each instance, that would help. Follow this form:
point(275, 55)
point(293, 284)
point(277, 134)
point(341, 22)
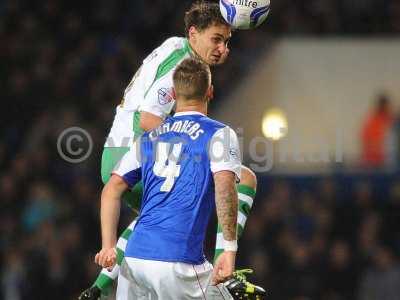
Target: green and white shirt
point(149, 91)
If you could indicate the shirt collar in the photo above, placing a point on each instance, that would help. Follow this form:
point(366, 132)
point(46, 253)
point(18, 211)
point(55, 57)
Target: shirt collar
point(186, 113)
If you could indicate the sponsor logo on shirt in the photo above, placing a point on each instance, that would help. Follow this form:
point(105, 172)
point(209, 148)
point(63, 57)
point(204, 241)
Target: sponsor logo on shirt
point(164, 96)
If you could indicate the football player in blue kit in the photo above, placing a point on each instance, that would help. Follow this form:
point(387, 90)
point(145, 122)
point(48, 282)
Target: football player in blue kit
point(189, 165)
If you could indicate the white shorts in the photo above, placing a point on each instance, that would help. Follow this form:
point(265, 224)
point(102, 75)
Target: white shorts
point(150, 280)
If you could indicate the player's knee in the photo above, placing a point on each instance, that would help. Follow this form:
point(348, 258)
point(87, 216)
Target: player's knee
point(248, 177)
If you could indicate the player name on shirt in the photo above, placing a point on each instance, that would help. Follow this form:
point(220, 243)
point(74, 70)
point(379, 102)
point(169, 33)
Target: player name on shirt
point(191, 128)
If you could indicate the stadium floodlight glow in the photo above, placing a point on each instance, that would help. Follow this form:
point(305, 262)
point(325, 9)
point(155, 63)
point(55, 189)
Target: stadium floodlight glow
point(274, 124)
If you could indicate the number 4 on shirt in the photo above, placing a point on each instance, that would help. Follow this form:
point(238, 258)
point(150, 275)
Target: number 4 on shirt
point(171, 170)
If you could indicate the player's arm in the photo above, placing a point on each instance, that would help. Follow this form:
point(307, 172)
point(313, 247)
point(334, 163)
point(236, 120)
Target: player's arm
point(226, 203)
point(126, 175)
point(109, 216)
point(157, 105)
point(227, 206)
point(226, 166)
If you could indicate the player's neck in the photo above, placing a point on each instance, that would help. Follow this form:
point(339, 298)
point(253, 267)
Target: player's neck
point(200, 107)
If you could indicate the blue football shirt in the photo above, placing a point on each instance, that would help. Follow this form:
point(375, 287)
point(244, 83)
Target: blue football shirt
point(176, 162)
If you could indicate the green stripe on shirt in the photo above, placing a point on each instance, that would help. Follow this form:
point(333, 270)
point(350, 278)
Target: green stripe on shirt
point(170, 62)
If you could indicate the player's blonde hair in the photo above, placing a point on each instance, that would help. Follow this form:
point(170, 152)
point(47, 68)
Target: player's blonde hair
point(192, 78)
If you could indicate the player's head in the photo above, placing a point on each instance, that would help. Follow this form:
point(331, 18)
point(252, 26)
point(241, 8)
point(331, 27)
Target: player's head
point(192, 82)
point(208, 32)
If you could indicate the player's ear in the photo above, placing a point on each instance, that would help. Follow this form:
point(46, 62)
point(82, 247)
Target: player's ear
point(193, 33)
point(210, 92)
point(173, 93)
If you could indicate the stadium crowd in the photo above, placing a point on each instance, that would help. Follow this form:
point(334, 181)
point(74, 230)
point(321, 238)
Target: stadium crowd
point(66, 64)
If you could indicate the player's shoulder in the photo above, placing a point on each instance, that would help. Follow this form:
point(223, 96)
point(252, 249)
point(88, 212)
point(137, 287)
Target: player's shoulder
point(219, 130)
point(173, 44)
point(176, 47)
point(213, 124)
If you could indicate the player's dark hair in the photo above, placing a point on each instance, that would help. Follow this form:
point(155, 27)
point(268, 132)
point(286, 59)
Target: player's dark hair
point(191, 79)
point(202, 15)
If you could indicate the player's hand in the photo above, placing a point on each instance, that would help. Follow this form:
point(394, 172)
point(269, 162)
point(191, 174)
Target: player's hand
point(106, 258)
point(224, 267)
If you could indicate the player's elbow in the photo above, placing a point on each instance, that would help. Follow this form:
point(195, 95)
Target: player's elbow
point(148, 121)
point(144, 124)
point(247, 177)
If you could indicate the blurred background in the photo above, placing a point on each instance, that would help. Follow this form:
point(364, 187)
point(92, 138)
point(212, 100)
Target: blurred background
point(316, 100)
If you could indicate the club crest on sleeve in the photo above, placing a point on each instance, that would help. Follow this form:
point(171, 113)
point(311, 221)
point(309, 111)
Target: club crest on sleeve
point(164, 96)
